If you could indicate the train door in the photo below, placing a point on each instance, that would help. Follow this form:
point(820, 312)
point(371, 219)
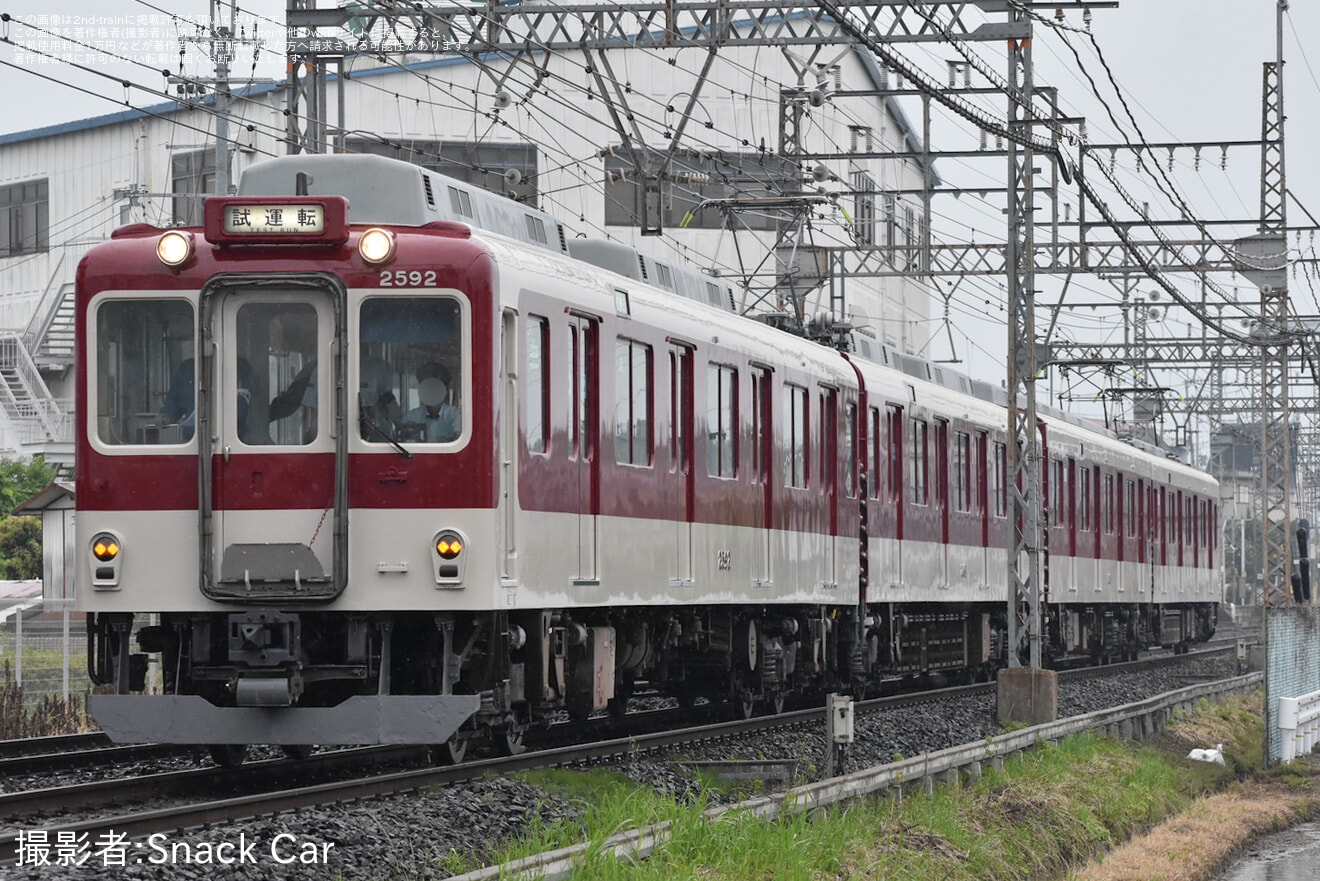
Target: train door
point(584, 431)
point(941, 500)
point(509, 444)
point(829, 463)
point(763, 444)
point(271, 442)
point(895, 487)
point(680, 458)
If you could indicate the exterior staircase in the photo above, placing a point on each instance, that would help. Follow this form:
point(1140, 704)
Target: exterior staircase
point(33, 420)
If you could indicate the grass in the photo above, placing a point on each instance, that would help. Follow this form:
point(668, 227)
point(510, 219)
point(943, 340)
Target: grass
point(24, 715)
point(1048, 811)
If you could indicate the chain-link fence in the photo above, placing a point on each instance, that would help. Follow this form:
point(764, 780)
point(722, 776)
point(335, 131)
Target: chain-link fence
point(43, 646)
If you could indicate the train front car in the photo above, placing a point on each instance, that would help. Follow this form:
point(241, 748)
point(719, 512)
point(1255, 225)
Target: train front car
point(249, 390)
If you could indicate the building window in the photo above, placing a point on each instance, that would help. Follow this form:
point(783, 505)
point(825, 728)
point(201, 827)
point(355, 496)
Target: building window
point(891, 213)
point(632, 402)
point(691, 182)
point(795, 436)
point(538, 386)
point(192, 177)
point(920, 463)
point(864, 193)
point(484, 164)
point(722, 421)
point(910, 237)
point(25, 218)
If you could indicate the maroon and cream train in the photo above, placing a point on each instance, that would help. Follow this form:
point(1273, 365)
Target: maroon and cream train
point(375, 456)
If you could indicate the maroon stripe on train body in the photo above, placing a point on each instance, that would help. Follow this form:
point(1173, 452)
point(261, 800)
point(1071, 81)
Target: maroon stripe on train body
point(464, 480)
point(135, 483)
point(272, 481)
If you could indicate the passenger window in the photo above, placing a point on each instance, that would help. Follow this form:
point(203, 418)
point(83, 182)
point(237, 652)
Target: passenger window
point(538, 385)
point(632, 402)
point(795, 436)
point(721, 421)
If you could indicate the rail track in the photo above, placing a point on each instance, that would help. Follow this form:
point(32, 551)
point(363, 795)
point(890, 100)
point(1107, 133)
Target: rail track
point(278, 785)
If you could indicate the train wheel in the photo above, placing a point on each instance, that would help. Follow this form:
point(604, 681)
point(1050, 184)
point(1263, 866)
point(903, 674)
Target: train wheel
point(775, 703)
point(297, 751)
point(509, 738)
point(451, 752)
point(228, 755)
point(744, 705)
point(618, 705)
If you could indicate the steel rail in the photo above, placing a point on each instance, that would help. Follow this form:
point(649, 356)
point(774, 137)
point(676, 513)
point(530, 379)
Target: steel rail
point(180, 817)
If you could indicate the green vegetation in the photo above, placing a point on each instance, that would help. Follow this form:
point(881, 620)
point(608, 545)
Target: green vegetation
point(1049, 809)
point(20, 548)
point(20, 716)
point(20, 537)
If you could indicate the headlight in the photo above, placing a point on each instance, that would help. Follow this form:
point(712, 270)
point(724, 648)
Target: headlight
point(376, 245)
point(175, 248)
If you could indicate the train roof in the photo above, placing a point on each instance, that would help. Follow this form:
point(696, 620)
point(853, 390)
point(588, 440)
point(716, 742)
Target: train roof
point(392, 192)
point(397, 193)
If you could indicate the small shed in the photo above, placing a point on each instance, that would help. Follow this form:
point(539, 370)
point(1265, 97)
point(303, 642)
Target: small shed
point(55, 505)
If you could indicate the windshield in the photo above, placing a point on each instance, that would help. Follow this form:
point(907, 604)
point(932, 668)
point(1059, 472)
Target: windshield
point(410, 370)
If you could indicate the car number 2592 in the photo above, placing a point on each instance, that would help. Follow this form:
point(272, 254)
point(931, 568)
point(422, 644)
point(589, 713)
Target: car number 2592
point(407, 278)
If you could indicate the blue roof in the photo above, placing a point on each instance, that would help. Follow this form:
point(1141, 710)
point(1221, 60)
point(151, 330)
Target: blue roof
point(869, 64)
point(92, 122)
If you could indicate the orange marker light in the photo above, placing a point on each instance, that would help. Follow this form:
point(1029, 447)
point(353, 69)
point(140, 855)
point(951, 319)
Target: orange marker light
point(105, 548)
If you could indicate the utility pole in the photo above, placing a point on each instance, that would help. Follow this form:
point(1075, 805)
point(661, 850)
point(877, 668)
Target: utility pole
point(220, 40)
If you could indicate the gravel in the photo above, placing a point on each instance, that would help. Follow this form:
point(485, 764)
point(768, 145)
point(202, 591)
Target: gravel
point(437, 833)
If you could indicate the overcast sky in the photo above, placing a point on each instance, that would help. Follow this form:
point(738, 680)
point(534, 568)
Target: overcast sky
point(1190, 71)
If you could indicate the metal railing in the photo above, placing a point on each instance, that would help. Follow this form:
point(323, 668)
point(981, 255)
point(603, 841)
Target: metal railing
point(1299, 724)
point(27, 400)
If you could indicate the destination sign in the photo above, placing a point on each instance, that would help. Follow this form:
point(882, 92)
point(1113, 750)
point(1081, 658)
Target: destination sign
point(302, 219)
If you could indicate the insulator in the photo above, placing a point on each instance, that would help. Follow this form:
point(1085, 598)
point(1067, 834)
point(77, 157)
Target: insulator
point(1170, 159)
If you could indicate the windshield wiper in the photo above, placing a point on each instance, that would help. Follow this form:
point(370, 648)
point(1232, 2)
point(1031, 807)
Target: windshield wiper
point(367, 422)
